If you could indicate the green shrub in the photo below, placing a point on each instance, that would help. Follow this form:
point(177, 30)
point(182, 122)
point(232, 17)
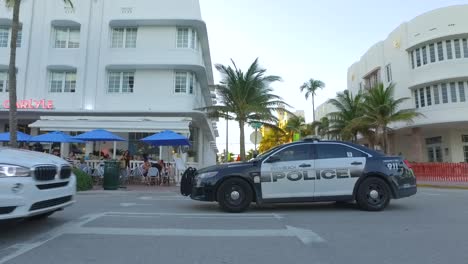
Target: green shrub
point(83, 180)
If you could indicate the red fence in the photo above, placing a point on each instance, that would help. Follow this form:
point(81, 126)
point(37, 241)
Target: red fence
point(441, 172)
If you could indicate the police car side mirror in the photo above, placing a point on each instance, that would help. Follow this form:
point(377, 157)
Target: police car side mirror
point(273, 159)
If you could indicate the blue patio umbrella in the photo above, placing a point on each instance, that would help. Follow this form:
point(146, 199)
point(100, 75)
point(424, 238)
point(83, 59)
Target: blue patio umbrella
point(21, 137)
point(100, 135)
point(166, 138)
point(56, 136)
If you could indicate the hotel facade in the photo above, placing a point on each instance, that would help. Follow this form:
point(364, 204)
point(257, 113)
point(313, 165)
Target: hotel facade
point(131, 67)
point(427, 61)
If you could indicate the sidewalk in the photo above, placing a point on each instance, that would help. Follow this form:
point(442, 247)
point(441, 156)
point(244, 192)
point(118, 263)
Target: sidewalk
point(136, 188)
point(440, 184)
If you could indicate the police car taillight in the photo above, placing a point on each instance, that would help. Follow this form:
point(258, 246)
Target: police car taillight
point(408, 164)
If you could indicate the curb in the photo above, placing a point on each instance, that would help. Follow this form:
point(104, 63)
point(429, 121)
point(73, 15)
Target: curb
point(423, 185)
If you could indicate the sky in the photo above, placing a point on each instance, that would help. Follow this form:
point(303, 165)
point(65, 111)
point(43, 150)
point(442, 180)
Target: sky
point(299, 40)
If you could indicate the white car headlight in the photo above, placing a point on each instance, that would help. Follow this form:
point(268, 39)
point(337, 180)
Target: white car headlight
point(202, 176)
point(8, 170)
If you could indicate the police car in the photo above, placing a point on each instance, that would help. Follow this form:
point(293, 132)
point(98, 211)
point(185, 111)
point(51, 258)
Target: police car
point(306, 171)
point(34, 185)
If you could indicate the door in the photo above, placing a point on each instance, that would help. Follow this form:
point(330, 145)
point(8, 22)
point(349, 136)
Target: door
point(338, 168)
point(288, 173)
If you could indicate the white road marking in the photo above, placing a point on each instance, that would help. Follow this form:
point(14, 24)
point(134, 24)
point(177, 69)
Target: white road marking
point(44, 238)
point(430, 194)
point(214, 215)
point(304, 235)
point(76, 227)
point(133, 204)
point(226, 217)
point(132, 216)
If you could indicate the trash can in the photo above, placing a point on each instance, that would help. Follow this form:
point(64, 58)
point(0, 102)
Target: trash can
point(111, 175)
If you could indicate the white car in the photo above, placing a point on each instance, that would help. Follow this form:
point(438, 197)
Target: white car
point(33, 184)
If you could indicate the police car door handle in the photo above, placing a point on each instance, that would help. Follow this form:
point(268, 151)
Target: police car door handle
point(356, 163)
point(305, 165)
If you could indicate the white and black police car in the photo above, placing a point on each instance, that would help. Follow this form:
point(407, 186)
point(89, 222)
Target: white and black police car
point(306, 171)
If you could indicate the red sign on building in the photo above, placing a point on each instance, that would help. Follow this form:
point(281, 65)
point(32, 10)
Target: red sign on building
point(31, 104)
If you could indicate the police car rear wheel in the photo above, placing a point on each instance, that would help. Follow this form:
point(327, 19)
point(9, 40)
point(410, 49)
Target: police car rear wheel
point(373, 194)
point(234, 195)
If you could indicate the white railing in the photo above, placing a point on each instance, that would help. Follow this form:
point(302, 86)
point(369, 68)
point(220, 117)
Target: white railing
point(134, 164)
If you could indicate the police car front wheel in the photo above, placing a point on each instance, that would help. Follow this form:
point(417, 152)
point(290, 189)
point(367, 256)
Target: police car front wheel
point(373, 194)
point(234, 195)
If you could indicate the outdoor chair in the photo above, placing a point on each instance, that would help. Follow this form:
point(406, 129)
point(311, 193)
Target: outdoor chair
point(99, 173)
point(136, 174)
point(153, 174)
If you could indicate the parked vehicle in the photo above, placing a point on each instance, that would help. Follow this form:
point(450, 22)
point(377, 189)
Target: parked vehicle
point(305, 171)
point(34, 184)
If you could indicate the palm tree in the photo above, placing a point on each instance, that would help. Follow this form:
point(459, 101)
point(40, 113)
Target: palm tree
point(323, 127)
point(13, 118)
point(311, 88)
point(247, 97)
point(343, 121)
point(273, 138)
point(381, 109)
point(295, 125)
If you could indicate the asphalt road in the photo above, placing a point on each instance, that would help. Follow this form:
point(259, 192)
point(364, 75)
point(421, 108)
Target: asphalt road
point(163, 227)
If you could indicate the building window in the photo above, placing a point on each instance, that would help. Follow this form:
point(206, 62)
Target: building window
point(62, 82)
point(3, 81)
point(434, 150)
point(372, 79)
point(444, 93)
point(432, 52)
point(138, 147)
point(465, 48)
point(434, 154)
point(5, 37)
point(124, 37)
point(428, 96)
point(121, 82)
point(424, 55)
point(448, 46)
point(418, 58)
point(412, 59)
point(187, 38)
point(465, 151)
point(440, 51)
point(421, 97)
point(416, 98)
point(67, 38)
point(465, 138)
point(185, 82)
point(453, 92)
point(388, 70)
point(461, 90)
point(457, 49)
point(436, 94)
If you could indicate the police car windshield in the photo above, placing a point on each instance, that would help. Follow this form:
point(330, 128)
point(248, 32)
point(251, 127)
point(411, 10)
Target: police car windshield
point(266, 153)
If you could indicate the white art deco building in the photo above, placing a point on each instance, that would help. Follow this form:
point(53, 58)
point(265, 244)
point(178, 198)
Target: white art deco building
point(131, 67)
point(427, 59)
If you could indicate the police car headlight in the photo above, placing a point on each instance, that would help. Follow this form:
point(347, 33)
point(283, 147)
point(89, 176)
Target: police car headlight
point(205, 175)
point(8, 170)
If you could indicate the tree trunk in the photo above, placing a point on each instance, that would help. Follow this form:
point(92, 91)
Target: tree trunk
point(313, 108)
point(13, 119)
point(385, 139)
point(226, 157)
point(242, 140)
